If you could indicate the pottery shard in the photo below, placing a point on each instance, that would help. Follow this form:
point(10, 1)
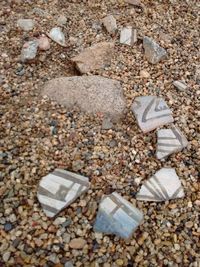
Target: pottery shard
point(95, 57)
point(92, 94)
point(59, 189)
point(117, 216)
point(162, 186)
point(153, 51)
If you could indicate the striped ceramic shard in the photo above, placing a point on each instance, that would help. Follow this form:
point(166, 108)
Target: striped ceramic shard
point(117, 216)
point(169, 141)
point(151, 112)
point(162, 186)
point(59, 189)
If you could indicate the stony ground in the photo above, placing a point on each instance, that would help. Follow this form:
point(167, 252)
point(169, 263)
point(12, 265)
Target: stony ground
point(38, 135)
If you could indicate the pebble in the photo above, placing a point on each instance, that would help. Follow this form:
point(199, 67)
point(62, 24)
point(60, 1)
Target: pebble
point(29, 51)
point(62, 20)
point(77, 243)
point(189, 224)
point(144, 74)
point(128, 36)
point(119, 262)
point(8, 227)
point(26, 24)
point(43, 43)
point(68, 264)
point(57, 36)
point(110, 24)
point(180, 85)
point(6, 256)
point(107, 124)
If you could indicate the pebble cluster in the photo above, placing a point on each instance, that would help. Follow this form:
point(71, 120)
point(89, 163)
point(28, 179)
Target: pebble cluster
point(38, 135)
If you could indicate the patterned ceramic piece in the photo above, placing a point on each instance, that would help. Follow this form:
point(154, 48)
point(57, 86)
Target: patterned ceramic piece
point(59, 189)
point(169, 141)
point(151, 112)
point(162, 186)
point(117, 216)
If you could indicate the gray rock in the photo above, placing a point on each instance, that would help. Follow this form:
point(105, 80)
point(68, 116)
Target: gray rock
point(128, 36)
point(29, 50)
point(117, 216)
point(95, 57)
point(153, 52)
point(26, 24)
point(8, 227)
point(57, 36)
point(180, 85)
point(62, 20)
point(110, 24)
point(92, 94)
point(6, 256)
point(59, 189)
point(107, 124)
point(40, 12)
point(197, 75)
point(151, 112)
point(170, 141)
point(68, 264)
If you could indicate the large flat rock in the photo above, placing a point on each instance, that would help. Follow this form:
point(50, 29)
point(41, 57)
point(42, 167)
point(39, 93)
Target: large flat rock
point(92, 94)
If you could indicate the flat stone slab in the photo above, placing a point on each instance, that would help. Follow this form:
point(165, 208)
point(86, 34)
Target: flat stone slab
point(59, 189)
point(151, 112)
point(117, 216)
point(128, 36)
point(97, 56)
point(170, 141)
point(162, 186)
point(92, 94)
point(153, 51)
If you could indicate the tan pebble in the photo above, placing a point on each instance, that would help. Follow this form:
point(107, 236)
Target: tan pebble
point(77, 243)
point(189, 224)
point(119, 262)
point(144, 74)
point(177, 246)
point(83, 203)
point(197, 202)
point(157, 241)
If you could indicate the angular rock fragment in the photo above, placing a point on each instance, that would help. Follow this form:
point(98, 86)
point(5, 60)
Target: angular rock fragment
point(117, 216)
point(153, 51)
point(134, 2)
point(128, 36)
point(180, 85)
point(43, 43)
point(59, 189)
point(151, 112)
point(92, 94)
point(95, 57)
point(110, 24)
point(162, 186)
point(62, 20)
point(169, 141)
point(26, 24)
point(57, 36)
point(29, 50)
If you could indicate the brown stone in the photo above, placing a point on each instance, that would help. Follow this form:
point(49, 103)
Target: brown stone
point(77, 243)
point(95, 57)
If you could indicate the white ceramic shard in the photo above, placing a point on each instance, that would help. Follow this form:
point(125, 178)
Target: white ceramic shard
point(180, 85)
point(162, 186)
point(169, 141)
point(59, 189)
point(117, 216)
point(128, 36)
point(57, 36)
point(151, 112)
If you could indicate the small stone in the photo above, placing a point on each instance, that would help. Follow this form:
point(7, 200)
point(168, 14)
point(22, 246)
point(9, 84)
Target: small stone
point(180, 85)
point(77, 165)
point(119, 262)
point(151, 112)
point(68, 264)
point(26, 24)
point(8, 227)
point(197, 75)
point(6, 256)
point(66, 238)
point(134, 2)
point(97, 56)
point(144, 74)
point(197, 202)
point(189, 224)
point(128, 36)
point(162, 186)
point(153, 52)
point(59, 220)
point(177, 246)
point(107, 124)
point(62, 20)
point(43, 43)
point(59, 189)
point(110, 24)
point(170, 141)
point(77, 243)
point(117, 216)
point(57, 36)
point(29, 51)
point(40, 12)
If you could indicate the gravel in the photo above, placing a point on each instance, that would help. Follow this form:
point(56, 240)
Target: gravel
point(32, 151)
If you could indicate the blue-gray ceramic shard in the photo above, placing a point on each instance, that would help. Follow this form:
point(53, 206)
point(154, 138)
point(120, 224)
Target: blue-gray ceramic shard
point(59, 189)
point(151, 112)
point(117, 216)
point(162, 186)
point(153, 51)
point(170, 141)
